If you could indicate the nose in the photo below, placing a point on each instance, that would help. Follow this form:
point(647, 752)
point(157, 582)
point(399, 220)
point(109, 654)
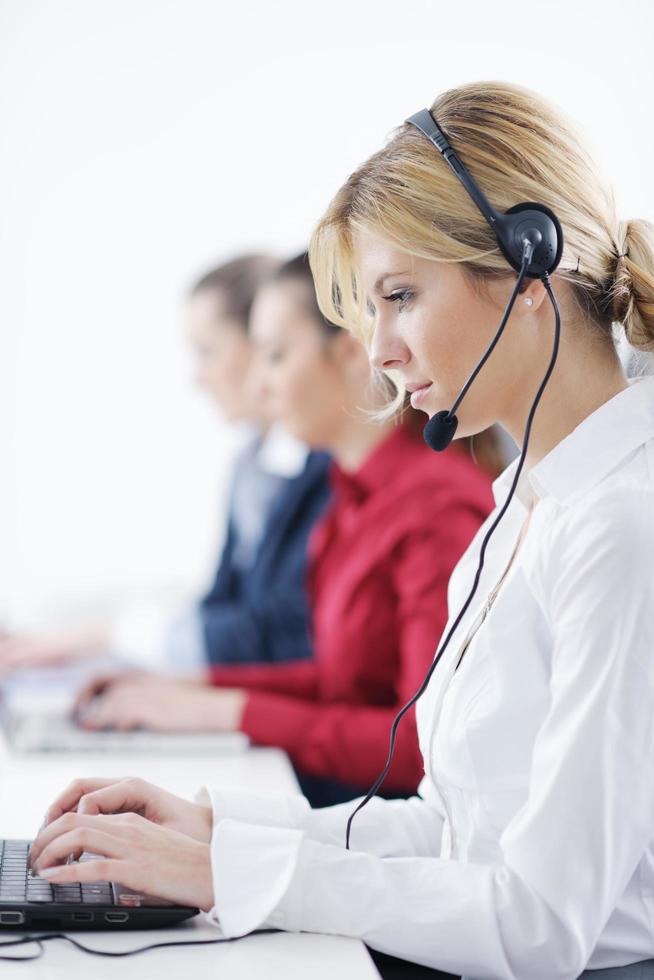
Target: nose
point(387, 349)
point(259, 377)
point(260, 386)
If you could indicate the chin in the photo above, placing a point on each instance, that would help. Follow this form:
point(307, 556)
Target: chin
point(468, 431)
point(297, 432)
point(431, 410)
point(436, 401)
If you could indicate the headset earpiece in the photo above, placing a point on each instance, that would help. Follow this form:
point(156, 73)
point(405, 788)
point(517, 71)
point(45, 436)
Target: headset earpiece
point(512, 229)
point(519, 223)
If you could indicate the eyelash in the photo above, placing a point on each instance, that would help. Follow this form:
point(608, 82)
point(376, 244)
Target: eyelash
point(401, 297)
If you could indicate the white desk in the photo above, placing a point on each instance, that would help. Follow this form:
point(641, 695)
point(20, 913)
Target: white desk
point(29, 782)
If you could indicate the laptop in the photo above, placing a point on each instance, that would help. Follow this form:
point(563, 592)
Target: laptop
point(37, 717)
point(54, 730)
point(30, 902)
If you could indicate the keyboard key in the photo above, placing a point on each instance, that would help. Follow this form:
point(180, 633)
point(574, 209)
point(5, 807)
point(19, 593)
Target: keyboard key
point(95, 889)
point(67, 893)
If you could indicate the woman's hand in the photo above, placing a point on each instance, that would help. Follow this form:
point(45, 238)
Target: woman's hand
point(89, 797)
point(134, 851)
point(100, 683)
point(161, 704)
point(20, 651)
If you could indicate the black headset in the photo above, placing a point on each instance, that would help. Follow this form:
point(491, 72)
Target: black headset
point(531, 240)
point(524, 228)
point(523, 221)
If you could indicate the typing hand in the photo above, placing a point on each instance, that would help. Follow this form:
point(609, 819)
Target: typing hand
point(89, 797)
point(159, 704)
point(20, 651)
point(101, 684)
point(133, 850)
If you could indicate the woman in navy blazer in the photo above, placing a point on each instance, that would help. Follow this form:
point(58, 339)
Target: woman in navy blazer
point(261, 613)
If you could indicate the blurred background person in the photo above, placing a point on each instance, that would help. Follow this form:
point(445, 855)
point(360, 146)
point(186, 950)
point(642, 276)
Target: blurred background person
point(380, 561)
point(257, 607)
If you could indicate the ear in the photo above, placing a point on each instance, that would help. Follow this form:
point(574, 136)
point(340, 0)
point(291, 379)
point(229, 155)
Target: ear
point(532, 289)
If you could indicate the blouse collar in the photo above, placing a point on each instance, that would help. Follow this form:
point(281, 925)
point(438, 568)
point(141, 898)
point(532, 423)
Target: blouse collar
point(596, 446)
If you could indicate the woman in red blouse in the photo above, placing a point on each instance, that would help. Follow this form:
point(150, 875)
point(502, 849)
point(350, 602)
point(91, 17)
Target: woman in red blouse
point(380, 561)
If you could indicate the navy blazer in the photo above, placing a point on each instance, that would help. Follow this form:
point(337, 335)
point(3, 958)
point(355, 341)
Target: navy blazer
point(265, 615)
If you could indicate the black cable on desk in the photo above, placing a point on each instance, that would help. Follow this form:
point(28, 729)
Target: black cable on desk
point(46, 937)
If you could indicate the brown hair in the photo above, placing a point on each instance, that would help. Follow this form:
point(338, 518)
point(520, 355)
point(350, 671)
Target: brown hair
point(298, 269)
point(236, 283)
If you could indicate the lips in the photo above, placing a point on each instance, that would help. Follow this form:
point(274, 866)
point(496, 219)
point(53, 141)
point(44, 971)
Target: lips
point(418, 392)
point(412, 386)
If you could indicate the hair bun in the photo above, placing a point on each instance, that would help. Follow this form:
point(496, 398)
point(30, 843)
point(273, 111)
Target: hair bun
point(632, 292)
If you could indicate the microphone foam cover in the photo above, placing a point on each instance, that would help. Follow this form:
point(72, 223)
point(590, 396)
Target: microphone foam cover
point(439, 431)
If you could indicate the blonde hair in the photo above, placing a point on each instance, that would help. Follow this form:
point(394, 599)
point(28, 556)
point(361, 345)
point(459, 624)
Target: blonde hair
point(519, 148)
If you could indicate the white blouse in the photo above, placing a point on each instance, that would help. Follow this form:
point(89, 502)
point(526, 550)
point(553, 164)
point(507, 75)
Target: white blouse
point(529, 852)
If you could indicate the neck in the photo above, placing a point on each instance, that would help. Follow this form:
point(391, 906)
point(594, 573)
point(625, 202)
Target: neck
point(585, 377)
point(356, 440)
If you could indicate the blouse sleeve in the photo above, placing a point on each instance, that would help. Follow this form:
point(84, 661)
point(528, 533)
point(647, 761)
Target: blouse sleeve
point(274, 821)
point(565, 857)
point(383, 827)
point(296, 678)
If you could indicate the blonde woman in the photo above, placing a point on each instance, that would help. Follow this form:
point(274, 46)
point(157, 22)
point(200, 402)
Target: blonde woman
point(529, 852)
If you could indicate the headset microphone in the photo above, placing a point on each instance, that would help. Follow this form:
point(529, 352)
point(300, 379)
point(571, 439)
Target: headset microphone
point(441, 427)
point(530, 238)
point(439, 430)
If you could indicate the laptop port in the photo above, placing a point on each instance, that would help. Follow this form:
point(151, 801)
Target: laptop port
point(116, 916)
point(12, 918)
point(83, 916)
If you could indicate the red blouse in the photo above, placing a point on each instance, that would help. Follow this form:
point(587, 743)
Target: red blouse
point(380, 561)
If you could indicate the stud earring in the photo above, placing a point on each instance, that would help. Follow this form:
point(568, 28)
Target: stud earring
point(529, 301)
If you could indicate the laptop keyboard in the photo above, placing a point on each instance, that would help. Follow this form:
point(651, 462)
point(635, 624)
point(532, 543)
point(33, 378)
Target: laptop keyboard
point(19, 884)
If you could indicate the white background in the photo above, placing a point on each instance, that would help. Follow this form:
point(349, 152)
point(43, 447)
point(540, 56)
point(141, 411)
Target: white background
point(142, 141)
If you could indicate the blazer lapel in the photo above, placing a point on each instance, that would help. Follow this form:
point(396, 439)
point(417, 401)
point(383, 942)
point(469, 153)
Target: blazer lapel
point(290, 501)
